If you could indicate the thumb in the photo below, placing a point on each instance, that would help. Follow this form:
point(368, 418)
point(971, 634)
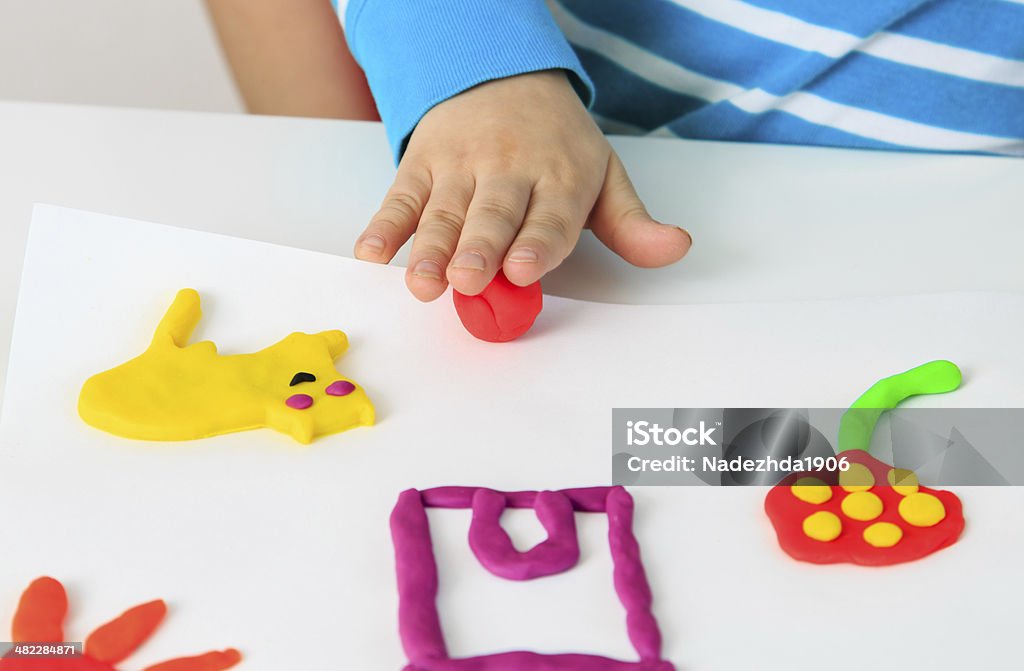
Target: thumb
point(621, 222)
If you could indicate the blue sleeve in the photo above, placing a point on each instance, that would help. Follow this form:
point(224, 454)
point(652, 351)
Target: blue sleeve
point(417, 53)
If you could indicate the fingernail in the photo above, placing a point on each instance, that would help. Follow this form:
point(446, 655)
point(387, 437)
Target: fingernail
point(372, 243)
point(428, 269)
point(523, 255)
point(469, 261)
point(678, 228)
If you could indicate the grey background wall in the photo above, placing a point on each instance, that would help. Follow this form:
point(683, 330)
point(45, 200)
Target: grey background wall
point(137, 53)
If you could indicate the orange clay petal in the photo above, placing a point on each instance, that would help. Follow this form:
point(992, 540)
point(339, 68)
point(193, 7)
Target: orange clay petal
point(211, 661)
point(40, 614)
point(120, 637)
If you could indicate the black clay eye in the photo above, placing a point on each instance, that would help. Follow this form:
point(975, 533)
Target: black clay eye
point(302, 377)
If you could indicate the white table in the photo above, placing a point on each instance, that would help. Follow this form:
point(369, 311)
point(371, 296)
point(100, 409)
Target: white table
point(789, 229)
point(769, 223)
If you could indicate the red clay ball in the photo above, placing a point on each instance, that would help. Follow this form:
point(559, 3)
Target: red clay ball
point(502, 311)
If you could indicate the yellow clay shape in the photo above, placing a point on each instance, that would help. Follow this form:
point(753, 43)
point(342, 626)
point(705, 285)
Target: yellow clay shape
point(177, 391)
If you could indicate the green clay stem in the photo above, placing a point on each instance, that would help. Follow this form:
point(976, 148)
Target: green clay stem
point(858, 423)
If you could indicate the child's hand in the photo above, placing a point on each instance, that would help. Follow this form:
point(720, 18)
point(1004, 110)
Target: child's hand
point(506, 175)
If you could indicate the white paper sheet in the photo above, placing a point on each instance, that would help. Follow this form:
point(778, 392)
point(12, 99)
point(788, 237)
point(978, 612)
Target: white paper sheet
point(284, 551)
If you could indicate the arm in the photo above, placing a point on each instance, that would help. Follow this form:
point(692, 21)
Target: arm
point(289, 57)
point(418, 53)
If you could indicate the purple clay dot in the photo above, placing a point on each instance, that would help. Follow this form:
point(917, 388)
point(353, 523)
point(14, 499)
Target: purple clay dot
point(340, 388)
point(299, 401)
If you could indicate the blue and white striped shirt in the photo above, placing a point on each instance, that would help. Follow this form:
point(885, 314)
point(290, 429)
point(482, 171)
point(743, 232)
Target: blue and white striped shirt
point(935, 75)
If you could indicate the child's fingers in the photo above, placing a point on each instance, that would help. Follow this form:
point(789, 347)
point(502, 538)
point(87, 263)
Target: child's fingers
point(550, 231)
point(620, 221)
point(437, 235)
point(397, 217)
point(493, 219)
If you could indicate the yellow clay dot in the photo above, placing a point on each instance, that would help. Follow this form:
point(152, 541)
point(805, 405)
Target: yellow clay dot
point(922, 510)
point(903, 482)
point(857, 478)
point(883, 534)
point(811, 490)
point(862, 506)
point(822, 526)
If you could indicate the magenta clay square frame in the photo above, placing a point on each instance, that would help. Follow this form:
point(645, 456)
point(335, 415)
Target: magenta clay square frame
point(418, 621)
